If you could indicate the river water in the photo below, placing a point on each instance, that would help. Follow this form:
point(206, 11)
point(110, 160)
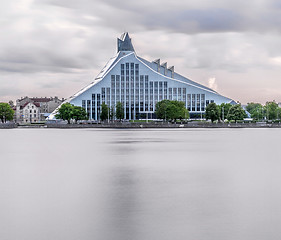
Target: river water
point(144, 184)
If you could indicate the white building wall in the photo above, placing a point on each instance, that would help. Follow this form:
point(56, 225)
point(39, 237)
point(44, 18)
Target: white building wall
point(92, 98)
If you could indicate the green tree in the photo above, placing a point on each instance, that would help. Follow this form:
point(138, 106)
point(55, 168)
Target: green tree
point(104, 112)
point(270, 110)
point(224, 108)
point(79, 113)
point(171, 110)
point(212, 112)
point(236, 112)
point(119, 113)
point(65, 112)
point(6, 112)
point(161, 109)
point(278, 113)
point(256, 110)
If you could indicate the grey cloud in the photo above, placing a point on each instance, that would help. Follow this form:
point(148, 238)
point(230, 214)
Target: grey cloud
point(180, 16)
point(65, 43)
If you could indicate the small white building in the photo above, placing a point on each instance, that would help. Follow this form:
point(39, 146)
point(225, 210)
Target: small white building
point(30, 113)
point(31, 110)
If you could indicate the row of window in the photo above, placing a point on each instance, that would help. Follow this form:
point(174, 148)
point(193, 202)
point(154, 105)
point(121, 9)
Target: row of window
point(194, 102)
point(139, 95)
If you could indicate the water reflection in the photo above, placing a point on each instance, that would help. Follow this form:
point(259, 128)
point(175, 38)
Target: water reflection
point(140, 184)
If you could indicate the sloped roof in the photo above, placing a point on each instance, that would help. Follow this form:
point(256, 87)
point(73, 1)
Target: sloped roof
point(45, 99)
point(34, 103)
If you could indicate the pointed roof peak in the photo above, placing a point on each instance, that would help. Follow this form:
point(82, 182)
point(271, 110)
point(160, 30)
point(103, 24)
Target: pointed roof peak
point(124, 43)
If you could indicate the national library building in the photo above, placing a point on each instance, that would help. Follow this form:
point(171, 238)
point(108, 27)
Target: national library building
point(139, 84)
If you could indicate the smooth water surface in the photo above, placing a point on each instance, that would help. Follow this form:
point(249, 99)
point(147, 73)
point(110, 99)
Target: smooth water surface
point(168, 184)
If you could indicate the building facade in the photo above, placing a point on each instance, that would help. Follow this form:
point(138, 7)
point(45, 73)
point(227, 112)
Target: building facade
point(32, 110)
point(139, 84)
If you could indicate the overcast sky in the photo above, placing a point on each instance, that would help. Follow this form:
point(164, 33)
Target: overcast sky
point(56, 47)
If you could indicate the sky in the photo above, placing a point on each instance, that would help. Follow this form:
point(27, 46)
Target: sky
point(56, 47)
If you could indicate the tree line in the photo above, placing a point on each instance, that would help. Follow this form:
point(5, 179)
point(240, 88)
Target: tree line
point(269, 111)
point(168, 110)
point(172, 110)
point(6, 112)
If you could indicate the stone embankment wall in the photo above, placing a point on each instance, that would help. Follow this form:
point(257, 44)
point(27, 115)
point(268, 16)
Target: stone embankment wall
point(168, 125)
point(7, 125)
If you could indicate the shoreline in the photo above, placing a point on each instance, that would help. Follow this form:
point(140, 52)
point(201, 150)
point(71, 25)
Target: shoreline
point(126, 125)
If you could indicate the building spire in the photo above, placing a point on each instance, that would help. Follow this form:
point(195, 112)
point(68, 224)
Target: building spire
point(124, 43)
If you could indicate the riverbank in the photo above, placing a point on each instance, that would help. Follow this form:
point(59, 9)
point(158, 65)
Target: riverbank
point(195, 124)
point(8, 125)
point(167, 125)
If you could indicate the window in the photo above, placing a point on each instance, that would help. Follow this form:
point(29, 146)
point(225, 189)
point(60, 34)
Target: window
point(117, 88)
point(155, 93)
point(174, 93)
point(108, 96)
point(88, 106)
point(188, 102)
point(198, 102)
point(160, 91)
point(202, 102)
point(132, 85)
point(93, 106)
point(103, 95)
point(179, 94)
point(98, 106)
point(193, 102)
point(170, 93)
point(112, 90)
point(165, 90)
point(146, 92)
point(151, 95)
point(184, 96)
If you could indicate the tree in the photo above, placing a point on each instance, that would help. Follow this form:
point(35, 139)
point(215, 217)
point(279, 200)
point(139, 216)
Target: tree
point(270, 110)
point(79, 113)
point(224, 108)
point(171, 110)
point(278, 113)
point(104, 112)
point(256, 110)
point(65, 112)
point(119, 111)
point(212, 112)
point(236, 112)
point(6, 112)
point(181, 111)
point(161, 109)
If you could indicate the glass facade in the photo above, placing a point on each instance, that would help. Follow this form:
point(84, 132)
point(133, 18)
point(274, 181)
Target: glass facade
point(139, 94)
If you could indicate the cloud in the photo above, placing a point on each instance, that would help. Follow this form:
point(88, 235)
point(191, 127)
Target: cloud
point(212, 83)
point(66, 43)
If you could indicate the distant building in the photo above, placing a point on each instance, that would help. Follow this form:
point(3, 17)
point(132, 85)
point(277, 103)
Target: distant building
point(31, 110)
point(139, 84)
